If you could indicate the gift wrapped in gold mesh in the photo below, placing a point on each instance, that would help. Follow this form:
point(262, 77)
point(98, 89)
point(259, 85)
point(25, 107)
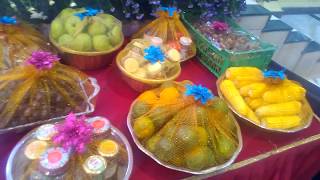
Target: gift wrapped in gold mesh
point(170, 29)
point(17, 41)
point(40, 90)
point(184, 130)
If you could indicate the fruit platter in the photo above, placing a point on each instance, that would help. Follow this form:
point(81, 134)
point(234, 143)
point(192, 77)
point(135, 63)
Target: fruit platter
point(76, 148)
point(266, 99)
point(145, 64)
point(86, 36)
point(43, 91)
point(183, 127)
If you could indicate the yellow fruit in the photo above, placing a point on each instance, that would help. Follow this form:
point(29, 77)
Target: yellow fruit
point(232, 94)
point(282, 122)
point(169, 94)
point(240, 84)
point(252, 116)
point(198, 158)
point(280, 109)
point(244, 74)
point(255, 103)
point(152, 142)
point(253, 90)
point(284, 93)
point(143, 127)
point(202, 136)
point(149, 97)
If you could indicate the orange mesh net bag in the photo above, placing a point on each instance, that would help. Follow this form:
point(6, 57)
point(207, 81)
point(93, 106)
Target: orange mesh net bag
point(185, 126)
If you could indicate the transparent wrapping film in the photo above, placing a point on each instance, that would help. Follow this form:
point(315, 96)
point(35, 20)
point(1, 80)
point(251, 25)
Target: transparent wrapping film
point(183, 134)
point(17, 42)
point(170, 29)
point(218, 51)
point(30, 96)
point(86, 31)
point(271, 104)
point(26, 159)
point(142, 74)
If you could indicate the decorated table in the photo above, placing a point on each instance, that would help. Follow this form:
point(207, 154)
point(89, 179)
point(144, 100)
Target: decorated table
point(265, 155)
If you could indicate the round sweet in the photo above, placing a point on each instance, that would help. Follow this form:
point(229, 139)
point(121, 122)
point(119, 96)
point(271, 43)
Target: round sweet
point(95, 165)
point(174, 55)
point(149, 97)
point(131, 65)
point(142, 73)
point(157, 41)
point(100, 125)
point(45, 132)
point(185, 41)
point(54, 161)
point(108, 148)
point(169, 94)
point(154, 69)
point(35, 149)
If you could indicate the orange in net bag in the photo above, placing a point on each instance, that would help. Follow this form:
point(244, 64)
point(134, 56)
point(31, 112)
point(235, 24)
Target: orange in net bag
point(17, 41)
point(171, 30)
point(185, 126)
point(40, 90)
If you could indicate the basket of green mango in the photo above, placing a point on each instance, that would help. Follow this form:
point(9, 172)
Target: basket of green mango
point(86, 37)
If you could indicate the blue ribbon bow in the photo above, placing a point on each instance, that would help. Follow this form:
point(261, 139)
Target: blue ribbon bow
point(88, 12)
point(170, 10)
point(154, 54)
point(8, 20)
point(274, 74)
point(199, 93)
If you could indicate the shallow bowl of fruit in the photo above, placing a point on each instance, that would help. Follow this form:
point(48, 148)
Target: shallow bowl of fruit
point(271, 104)
point(147, 76)
point(182, 134)
point(88, 43)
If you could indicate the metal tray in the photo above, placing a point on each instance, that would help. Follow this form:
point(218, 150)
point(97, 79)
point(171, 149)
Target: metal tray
point(17, 153)
point(307, 113)
point(205, 171)
point(90, 88)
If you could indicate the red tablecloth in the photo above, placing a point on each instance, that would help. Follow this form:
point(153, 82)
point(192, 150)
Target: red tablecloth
point(116, 96)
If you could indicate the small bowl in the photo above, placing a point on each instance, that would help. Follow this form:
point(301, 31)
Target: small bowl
point(87, 60)
point(142, 84)
point(306, 121)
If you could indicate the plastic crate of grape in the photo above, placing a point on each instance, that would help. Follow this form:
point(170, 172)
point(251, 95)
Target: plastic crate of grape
point(221, 43)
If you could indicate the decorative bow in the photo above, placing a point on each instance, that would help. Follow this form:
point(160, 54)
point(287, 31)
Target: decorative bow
point(42, 60)
point(274, 74)
point(199, 93)
point(88, 12)
point(170, 10)
point(8, 20)
point(154, 54)
point(73, 134)
point(220, 26)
